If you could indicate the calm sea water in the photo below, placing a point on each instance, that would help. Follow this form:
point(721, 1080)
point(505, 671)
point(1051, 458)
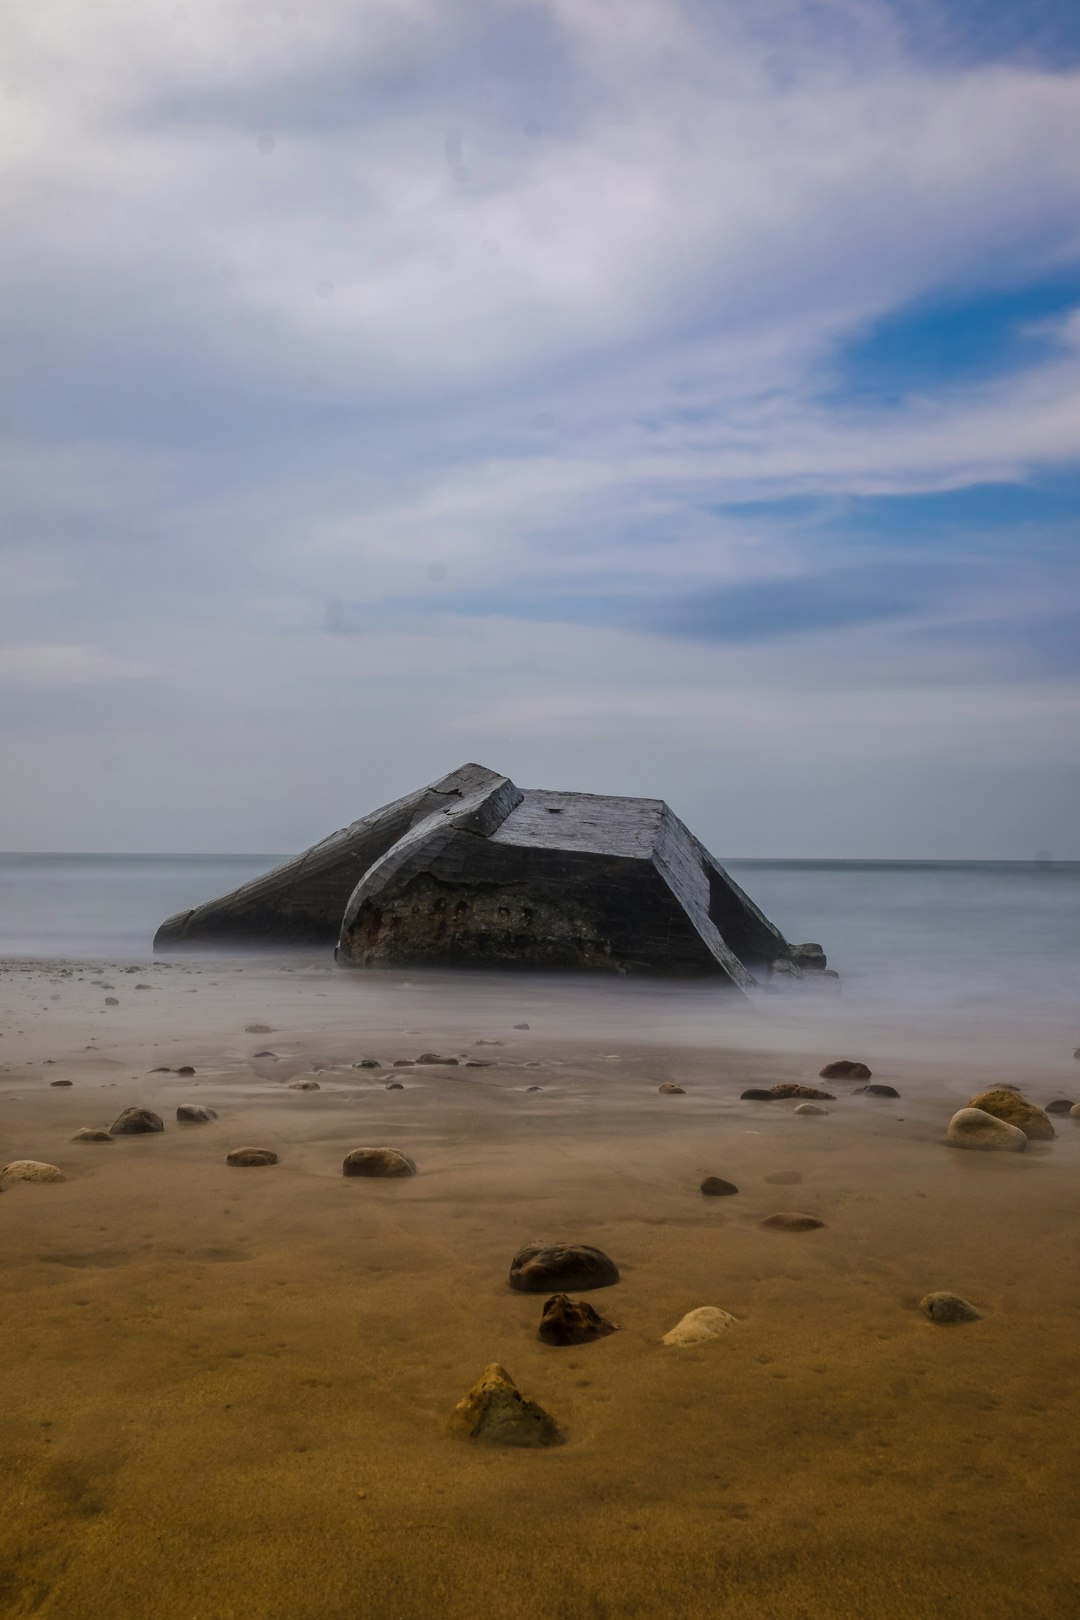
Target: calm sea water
point(958, 937)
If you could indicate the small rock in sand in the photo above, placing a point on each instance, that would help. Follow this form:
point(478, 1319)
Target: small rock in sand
point(162, 1068)
point(790, 1089)
point(875, 1091)
point(186, 1069)
point(378, 1161)
point(845, 1069)
point(947, 1308)
point(31, 1170)
point(542, 1267)
point(89, 1133)
point(1074, 1111)
point(717, 1187)
point(394, 1085)
point(496, 1411)
point(521, 1026)
point(1060, 1105)
point(404, 1063)
point(479, 1063)
point(433, 1057)
point(973, 1128)
point(534, 1088)
point(112, 1001)
point(708, 1322)
point(195, 1114)
point(257, 1029)
point(61, 1082)
point(136, 1122)
point(810, 1108)
point(251, 1157)
point(572, 1321)
point(368, 1063)
point(304, 1085)
point(256, 1055)
point(757, 1094)
point(669, 1089)
point(792, 1221)
point(1005, 1103)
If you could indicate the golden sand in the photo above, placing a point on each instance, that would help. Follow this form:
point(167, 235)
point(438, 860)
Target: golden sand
point(226, 1391)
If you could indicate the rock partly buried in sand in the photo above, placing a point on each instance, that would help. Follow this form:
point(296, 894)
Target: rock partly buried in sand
point(790, 1089)
point(534, 1088)
point(495, 1410)
point(791, 1221)
point(669, 1089)
point(1074, 1111)
point(757, 1094)
point(1060, 1105)
point(61, 1082)
point(90, 1133)
point(162, 1068)
point(137, 1122)
point(844, 1069)
point(974, 1128)
point(875, 1091)
point(187, 1069)
point(112, 1001)
point(543, 1267)
point(708, 1322)
point(368, 1063)
point(1015, 1110)
point(31, 1170)
point(304, 1085)
point(377, 1161)
point(251, 1157)
point(947, 1308)
point(717, 1187)
point(810, 1108)
point(394, 1085)
point(572, 1321)
point(257, 1029)
point(433, 1057)
point(195, 1114)
point(256, 1055)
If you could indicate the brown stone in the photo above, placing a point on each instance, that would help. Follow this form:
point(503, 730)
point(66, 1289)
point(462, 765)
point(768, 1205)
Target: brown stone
point(845, 1069)
point(304, 1085)
point(789, 1089)
point(136, 1122)
point(497, 1412)
point(88, 1133)
point(669, 1089)
point(195, 1114)
point(377, 1161)
point(717, 1187)
point(572, 1321)
point(1004, 1103)
point(540, 1268)
point(251, 1157)
point(792, 1221)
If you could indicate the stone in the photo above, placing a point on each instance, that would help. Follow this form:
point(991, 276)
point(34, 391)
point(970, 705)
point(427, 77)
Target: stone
point(394, 1085)
point(790, 1089)
point(669, 1089)
point(1076, 1054)
point(61, 1082)
point(875, 1091)
point(195, 1114)
point(186, 1069)
point(701, 1326)
point(717, 1187)
point(792, 1221)
point(162, 1068)
point(757, 1094)
point(251, 1157)
point(975, 1128)
point(112, 1001)
point(404, 1063)
point(521, 1026)
point(1060, 1105)
point(947, 1308)
point(304, 1085)
point(137, 1122)
point(377, 1161)
point(496, 1412)
point(845, 1069)
point(810, 957)
point(534, 1088)
point(1074, 1111)
point(368, 1063)
point(31, 1170)
point(1006, 1104)
point(572, 1321)
point(89, 1133)
point(433, 1057)
point(257, 1029)
point(542, 1267)
point(256, 1055)
point(810, 1108)
point(479, 1063)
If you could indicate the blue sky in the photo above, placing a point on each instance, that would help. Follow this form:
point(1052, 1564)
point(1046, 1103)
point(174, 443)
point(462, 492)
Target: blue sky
point(672, 398)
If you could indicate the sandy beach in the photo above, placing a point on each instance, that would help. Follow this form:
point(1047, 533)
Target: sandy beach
point(227, 1390)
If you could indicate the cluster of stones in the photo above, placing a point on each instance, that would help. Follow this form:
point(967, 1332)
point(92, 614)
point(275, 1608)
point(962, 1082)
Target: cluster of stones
point(1002, 1121)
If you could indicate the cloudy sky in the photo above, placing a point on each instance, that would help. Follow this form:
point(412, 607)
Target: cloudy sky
point(677, 397)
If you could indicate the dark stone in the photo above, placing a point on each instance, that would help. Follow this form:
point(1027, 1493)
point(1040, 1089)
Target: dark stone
point(264, 1055)
point(572, 1321)
point(948, 1308)
point(717, 1187)
point(433, 1057)
point(251, 1157)
point(89, 1134)
point(534, 1088)
point(538, 1269)
point(810, 957)
point(61, 1082)
point(875, 1091)
point(195, 1114)
point(790, 1221)
point(136, 1122)
point(187, 1069)
point(394, 1085)
point(404, 1063)
point(669, 1089)
point(525, 1026)
point(380, 1161)
point(479, 1063)
point(845, 1069)
point(257, 1029)
point(1060, 1105)
point(304, 1085)
point(368, 1063)
point(757, 1094)
point(112, 1001)
point(162, 1068)
point(809, 1093)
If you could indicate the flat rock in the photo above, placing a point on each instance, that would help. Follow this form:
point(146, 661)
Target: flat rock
point(251, 1157)
point(845, 1069)
point(1005, 1103)
point(1060, 1105)
point(521, 1026)
point(497, 1412)
point(394, 1085)
point(433, 1057)
point(137, 1122)
point(88, 1133)
point(669, 1089)
point(572, 1321)
point(31, 1170)
point(948, 1308)
point(162, 1068)
point(61, 1082)
point(534, 1088)
point(717, 1187)
point(792, 1221)
point(875, 1091)
point(186, 1069)
point(195, 1114)
point(790, 1089)
point(304, 1085)
point(257, 1029)
point(377, 1161)
point(757, 1094)
point(256, 1055)
point(974, 1128)
point(700, 1326)
point(542, 1267)
point(810, 1108)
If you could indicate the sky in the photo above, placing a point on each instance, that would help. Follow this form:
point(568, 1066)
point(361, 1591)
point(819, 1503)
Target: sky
point(677, 397)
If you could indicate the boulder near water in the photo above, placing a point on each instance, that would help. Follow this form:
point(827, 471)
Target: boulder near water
point(845, 1069)
point(195, 1114)
point(497, 1412)
point(946, 1309)
point(572, 1321)
point(790, 1089)
point(251, 1158)
point(31, 1170)
point(975, 1128)
point(701, 1326)
point(1007, 1104)
point(377, 1161)
point(137, 1122)
point(542, 1267)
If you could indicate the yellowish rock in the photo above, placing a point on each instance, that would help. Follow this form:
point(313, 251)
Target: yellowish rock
point(975, 1128)
point(495, 1410)
point(702, 1326)
point(31, 1170)
point(1005, 1103)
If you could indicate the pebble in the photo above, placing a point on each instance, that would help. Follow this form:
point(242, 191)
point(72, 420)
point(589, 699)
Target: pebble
point(88, 1133)
point(972, 1128)
point(497, 1412)
point(162, 1068)
point(669, 1089)
point(368, 1063)
point(542, 1267)
point(1060, 1105)
point(433, 1057)
point(195, 1114)
point(186, 1069)
point(534, 1088)
point(136, 1122)
point(304, 1085)
point(845, 1069)
point(31, 1170)
point(947, 1308)
point(717, 1187)
point(251, 1156)
point(792, 1221)
point(700, 1326)
point(790, 1089)
point(256, 1055)
point(61, 1082)
point(757, 1094)
point(378, 1161)
point(112, 1001)
point(394, 1085)
point(810, 1108)
point(257, 1029)
point(572, 1321)
point(875, 1091)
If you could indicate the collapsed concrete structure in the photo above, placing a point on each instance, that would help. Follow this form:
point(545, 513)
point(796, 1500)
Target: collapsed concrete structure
point(474, 870)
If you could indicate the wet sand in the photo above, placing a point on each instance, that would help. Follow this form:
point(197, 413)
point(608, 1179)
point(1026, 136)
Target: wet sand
point(226, 1390)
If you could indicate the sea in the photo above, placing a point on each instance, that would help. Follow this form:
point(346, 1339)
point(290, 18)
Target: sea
point(990, 943)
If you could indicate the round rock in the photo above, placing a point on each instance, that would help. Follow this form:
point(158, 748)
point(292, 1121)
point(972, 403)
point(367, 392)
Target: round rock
point(542, 1267)
point(717, 1187)
point(845, 1069)
point(137, 1122)
point(1060, 1105)
point(195, 1114)
point(1007, 1104)
point(875, 1091)
point(251, 1157)
point(789, 1089)
point(88, 1133)
point(792, 1221)
point(810, 1108)
point(974, 1128)
point(669, 1089)
point(31, 1170)
point(947, 1308)
point(377, 1161)
point(757, 1094)
point(708, 1322)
